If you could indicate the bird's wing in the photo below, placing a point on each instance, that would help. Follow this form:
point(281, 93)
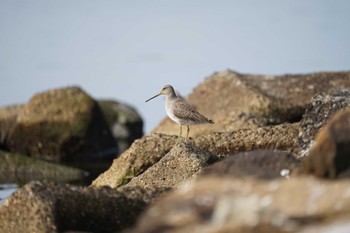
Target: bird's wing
point(185, 111)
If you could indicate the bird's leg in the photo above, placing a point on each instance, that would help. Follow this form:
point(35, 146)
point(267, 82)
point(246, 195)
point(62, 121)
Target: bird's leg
point(179, 138)
point(188, 131)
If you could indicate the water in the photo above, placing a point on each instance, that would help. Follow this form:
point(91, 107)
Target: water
point(6, 190)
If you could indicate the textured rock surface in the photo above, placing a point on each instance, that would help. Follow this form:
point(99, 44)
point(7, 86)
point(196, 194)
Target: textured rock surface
point(178, 166)
point(330, 156)
point(222, 204)
point(317, 114)
point(141, 155)
point(45, 207)
point(265, 164)
point(279, 137)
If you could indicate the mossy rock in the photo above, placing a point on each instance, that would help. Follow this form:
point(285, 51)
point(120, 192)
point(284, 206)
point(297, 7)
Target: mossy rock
point(62, 125)
point(20, 169)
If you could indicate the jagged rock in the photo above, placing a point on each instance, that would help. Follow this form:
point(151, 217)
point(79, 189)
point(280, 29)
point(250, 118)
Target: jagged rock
point(235, 101)
point(178, 166)
point(142, 154)
point(124, 122)
point(317, 114)
point(17, 168)
point(266, 164)
point(46, 207)
point(330, 158)
point(222, 204)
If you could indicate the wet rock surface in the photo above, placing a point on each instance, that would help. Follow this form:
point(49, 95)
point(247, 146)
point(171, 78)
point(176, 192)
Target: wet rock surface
point(260, 168)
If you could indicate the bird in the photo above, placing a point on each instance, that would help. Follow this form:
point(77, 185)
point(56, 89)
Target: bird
point(180, 111)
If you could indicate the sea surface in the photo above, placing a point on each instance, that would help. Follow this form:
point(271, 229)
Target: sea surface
point(6, 190)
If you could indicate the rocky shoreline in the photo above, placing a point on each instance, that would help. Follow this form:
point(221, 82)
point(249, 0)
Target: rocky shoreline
point(275, 161)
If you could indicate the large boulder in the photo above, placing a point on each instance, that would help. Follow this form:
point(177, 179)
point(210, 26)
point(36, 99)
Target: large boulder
point(68, 126)
point(236, 101)
point(62, 125)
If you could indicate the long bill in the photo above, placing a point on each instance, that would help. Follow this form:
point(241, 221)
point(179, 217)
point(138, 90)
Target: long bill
point(153, 97)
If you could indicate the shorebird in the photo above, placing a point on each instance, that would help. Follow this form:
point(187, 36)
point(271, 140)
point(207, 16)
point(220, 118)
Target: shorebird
point(180, 111)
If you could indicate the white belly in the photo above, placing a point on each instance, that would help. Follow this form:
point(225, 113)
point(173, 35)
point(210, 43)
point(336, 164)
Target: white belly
point(170, 113)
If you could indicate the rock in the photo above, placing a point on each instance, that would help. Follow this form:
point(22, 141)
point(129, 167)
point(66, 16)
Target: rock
point(124, 122)
point(8, 116)
point(46, 207)
point(329, 158)
point(222, 204)
point(236, 101)
point(142, 154)
point(177, 167)
point(21, 169)
point(279, 137)
point(62, 125)
point(266, 164)
point(317, 114)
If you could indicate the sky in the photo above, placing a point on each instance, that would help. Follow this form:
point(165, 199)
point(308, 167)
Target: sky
point(128, 50)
